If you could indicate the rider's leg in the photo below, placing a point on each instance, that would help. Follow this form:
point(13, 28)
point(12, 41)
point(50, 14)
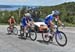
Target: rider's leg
point(52, 32)
point(12, 26)
point(21, 30)
point(26, 30)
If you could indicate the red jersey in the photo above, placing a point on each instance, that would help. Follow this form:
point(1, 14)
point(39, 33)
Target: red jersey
point(11, 20)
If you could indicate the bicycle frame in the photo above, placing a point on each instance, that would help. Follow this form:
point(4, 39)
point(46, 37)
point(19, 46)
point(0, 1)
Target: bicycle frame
point(31, 28)
point(57, 31)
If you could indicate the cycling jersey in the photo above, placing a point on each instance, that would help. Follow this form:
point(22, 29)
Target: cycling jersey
point(48, 19)
point(12, 20)
point(25, 20)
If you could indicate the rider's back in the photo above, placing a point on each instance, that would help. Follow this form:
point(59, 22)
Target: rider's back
point(11, 20)
point(48, 18)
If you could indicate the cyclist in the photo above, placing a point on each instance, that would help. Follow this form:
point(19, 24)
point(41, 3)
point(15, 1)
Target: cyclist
point(26, 21)
point(11, 21)
point(49, 20)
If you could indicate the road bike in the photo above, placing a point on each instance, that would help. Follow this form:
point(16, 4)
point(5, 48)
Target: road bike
point(60, 36)
point(12, 29)
point(32, 34)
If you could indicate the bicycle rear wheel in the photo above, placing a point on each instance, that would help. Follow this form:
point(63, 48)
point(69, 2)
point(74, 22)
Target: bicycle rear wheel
point(8, 30)
point(61, 38)
point(33, 35)
point(45, 37)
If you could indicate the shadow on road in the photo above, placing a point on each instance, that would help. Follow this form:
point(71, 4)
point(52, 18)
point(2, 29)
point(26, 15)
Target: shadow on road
point(47, 43)
point(22, 38)
point(41, 41)
point(8, 34)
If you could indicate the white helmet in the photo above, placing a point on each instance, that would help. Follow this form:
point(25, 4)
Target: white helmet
point(28, 14)
point(12, 16)
point(52, 12)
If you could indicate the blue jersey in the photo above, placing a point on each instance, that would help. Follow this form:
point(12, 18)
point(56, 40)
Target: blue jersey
point(48, 19)
point(25, 20)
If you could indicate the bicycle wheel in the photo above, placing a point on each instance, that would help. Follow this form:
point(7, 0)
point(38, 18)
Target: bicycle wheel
point(15, 31)
point(61, 38)
point(8, 30)
point(33, 35)
point(21, 33)
point(25, 35)
point(45, 37)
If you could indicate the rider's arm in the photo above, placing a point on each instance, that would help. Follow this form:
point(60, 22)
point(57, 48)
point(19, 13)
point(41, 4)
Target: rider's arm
point(14, 21)
point(9, 21)
point(27, 22)
point(59, 21)
point(31, 21)
point(51, 24)
point(51, 21)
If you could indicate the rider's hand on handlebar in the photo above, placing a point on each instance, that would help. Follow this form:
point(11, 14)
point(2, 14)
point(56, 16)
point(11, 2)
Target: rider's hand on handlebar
point(55, 26)
point(63, 25)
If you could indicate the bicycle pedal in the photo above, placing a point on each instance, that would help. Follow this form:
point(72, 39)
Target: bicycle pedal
point(51, 38)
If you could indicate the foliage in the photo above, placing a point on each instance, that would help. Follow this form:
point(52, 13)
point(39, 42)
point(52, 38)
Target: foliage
point(67, 11)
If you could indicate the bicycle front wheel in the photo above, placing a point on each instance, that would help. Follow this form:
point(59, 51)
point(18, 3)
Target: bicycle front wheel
point(15, 31)
point(61, 38)
point(33, 35)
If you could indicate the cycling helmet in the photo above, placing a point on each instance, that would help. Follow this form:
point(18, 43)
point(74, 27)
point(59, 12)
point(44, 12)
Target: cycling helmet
point(28, 14)
point(12, 16)
point(55, 12)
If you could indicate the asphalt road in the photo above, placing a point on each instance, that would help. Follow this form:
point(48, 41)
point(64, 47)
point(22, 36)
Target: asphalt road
point(11, 43)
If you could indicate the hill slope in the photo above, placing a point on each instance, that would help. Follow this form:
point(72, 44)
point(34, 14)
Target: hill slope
point(67, 11)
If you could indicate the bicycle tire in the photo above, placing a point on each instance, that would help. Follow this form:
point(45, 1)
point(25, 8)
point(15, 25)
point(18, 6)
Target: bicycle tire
point(64, 37)
point(44, 37)
point(35, 34)
point(9, 31)
point(15, 30)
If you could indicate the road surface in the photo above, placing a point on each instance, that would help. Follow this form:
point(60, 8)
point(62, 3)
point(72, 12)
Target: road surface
point(11, 43)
